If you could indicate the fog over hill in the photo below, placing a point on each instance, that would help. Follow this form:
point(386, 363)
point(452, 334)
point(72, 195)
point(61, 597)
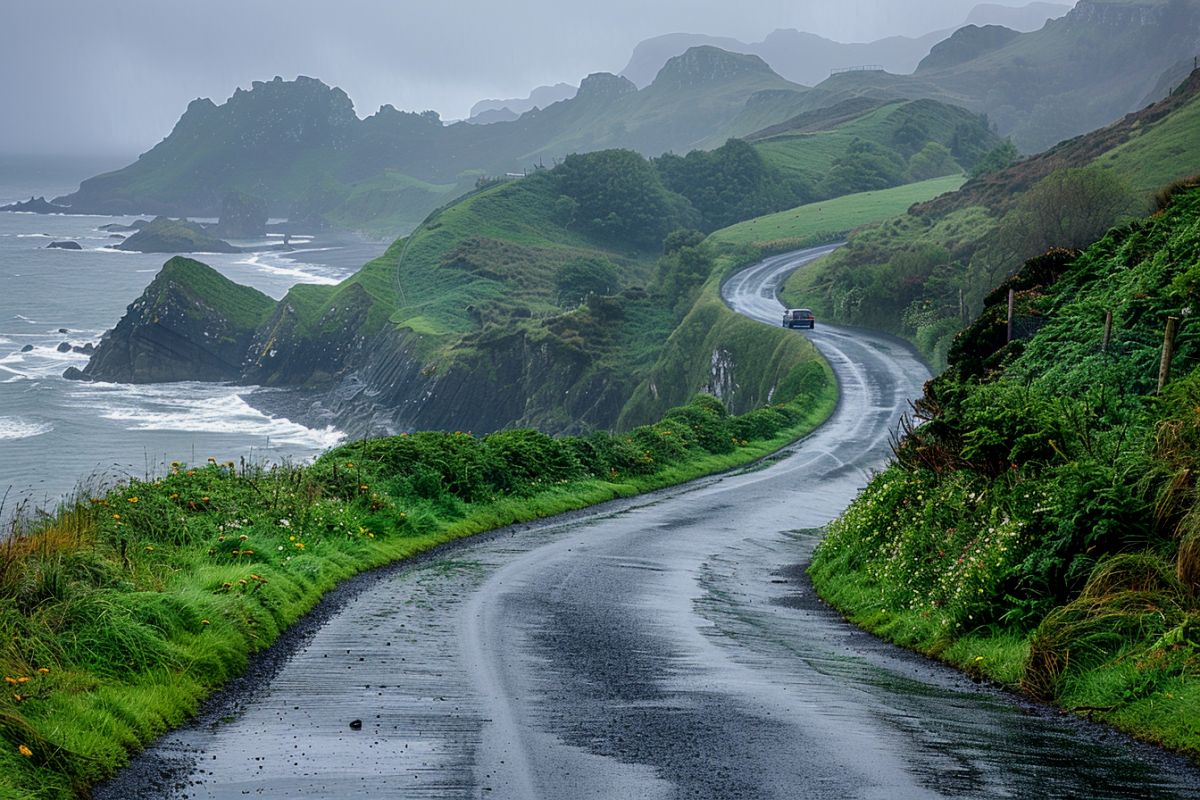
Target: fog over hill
point(112, 77)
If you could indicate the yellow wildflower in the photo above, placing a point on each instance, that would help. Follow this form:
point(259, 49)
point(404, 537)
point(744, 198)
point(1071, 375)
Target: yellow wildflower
point(133, 499)
point(25, 751)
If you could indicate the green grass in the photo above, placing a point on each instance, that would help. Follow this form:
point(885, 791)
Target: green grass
point(243, 306)
point(831, 218)
point(122, 611)
point(1167, 151)
point(1041, 527)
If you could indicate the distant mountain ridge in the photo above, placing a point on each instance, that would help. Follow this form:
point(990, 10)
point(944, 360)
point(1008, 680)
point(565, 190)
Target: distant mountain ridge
point(1078, 73)
point(488, 111)
point(807, 58)
point(300, 146)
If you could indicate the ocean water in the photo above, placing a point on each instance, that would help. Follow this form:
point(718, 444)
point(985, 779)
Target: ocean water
point(58, 435)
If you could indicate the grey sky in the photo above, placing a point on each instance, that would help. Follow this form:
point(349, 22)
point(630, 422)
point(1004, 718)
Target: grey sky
point(112, 76)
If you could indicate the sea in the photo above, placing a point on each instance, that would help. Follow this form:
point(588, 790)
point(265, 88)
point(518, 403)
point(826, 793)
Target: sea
point(59, 437)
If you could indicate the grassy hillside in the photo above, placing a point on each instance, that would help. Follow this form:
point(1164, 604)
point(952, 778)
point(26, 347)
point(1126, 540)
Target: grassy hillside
point(1040, 527)
point(860, 146)
point(828, 219)
point(923, 274)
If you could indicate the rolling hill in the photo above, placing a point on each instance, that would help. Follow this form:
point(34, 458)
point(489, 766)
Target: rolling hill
point(924, 273)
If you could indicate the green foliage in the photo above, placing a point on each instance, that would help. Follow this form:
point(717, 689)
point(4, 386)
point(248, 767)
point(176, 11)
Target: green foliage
point(729, 184)
point(864, 167)
point(120, 612)
point(1002, 156)
point(1049, 495)
point(576, 280)
point(620, 197)
point(931, 161)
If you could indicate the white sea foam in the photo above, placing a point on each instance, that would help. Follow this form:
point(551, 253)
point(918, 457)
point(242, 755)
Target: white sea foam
point(196, 408)
point(12, 428)
point(293, 269)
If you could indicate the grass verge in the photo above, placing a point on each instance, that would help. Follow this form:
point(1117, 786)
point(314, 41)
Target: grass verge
point(123, 610)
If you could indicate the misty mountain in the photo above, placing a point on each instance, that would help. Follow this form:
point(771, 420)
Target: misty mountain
point(808, 59)
point(300, 146)
point(1081, 72)
point(485, 111)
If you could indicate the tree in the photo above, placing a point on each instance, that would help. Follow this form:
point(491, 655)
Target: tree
point(620, 197)
point(577, 280)
point(931, 161)
point(1000, 157)
point(1068, 208)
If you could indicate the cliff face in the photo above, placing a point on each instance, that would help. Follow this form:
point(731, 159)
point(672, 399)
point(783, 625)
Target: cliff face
point(191, 324)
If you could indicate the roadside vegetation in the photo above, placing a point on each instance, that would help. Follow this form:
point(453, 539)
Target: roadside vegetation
point(924, 275)
point(1039, 528)
point(124, 609)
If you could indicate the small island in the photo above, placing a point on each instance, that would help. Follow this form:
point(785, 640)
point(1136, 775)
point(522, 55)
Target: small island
point(165, 235)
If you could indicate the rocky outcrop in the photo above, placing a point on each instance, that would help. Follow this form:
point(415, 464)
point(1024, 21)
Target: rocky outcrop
point(966, 43)
point(66, 245)
point(243, 216)
point(36, 205)
point(164, 235)
point(191, 323)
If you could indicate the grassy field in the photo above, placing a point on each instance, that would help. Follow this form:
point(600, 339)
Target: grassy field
point(832, 218)
point(124, 609)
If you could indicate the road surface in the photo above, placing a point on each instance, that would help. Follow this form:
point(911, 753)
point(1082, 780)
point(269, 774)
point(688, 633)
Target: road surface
point(664, 647)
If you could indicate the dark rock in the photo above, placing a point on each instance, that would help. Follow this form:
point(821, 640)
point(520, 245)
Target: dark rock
point(117, 236)
point(65, 245)
point(191, 324)
point(356, 725)
point(64, 347)
point(63, 330)
point(243, 216)
point(163, 235)
point(27, 348)
point(75, 374)
point(86, 349)
point(36, 205)
point(133, 226)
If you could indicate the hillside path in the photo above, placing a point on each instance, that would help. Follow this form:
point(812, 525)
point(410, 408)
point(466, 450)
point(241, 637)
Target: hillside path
point(664, 647)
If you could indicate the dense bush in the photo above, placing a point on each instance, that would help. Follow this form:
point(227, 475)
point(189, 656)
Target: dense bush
point(1049, 498)
point(729, 184)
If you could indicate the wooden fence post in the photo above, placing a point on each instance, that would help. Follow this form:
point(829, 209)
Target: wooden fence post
point(1107, 331)
point(1010, 315)
point(1168, 352)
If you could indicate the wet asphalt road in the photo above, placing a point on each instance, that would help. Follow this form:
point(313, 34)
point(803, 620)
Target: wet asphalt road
point(664, 647)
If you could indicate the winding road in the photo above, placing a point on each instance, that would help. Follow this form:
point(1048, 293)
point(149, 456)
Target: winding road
point(663, 647)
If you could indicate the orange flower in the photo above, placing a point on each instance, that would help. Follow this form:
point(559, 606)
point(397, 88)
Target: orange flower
point(25, 751)
point(43, 671)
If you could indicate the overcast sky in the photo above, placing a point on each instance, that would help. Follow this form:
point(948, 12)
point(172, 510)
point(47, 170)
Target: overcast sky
point(112, 76)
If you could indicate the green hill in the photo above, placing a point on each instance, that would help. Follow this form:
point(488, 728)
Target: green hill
point(923, 274)
point(300, 146)
point(1040, 527)
point(548, 295)
point(1102, 60)
point(561, 297)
